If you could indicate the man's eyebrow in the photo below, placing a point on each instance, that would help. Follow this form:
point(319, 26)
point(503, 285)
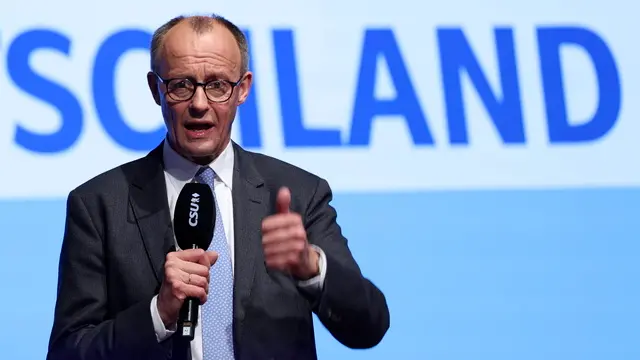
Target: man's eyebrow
point(213, 75)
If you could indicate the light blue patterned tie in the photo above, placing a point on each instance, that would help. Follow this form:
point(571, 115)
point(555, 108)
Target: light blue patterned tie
point(217, 312)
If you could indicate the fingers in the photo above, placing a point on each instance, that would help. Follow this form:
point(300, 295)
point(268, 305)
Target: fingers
point(211, 257)
point(292, 234)
point(279, 221)
point(284, 238)
point(191, 255)
point(283, 248)
point(208, 258)
point(283, 201)
point(196, 280)
point(283, 262)
point(183, 291)
point(186, 258)
point(183, 284)
point(189, 267)
point(187, 273)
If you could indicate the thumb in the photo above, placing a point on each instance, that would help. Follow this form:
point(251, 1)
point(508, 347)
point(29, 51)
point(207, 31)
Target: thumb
point(283, 200)
point(213, 257)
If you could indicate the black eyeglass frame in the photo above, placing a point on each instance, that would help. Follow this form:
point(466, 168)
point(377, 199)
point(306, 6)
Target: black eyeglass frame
point(199, 84)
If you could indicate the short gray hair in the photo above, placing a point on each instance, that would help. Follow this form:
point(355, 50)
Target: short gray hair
point(200, 24)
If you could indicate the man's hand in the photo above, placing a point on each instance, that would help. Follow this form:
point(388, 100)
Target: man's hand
point(186, 274)
point(284, 241)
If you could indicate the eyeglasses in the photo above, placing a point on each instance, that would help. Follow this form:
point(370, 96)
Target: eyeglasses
point(183, 89)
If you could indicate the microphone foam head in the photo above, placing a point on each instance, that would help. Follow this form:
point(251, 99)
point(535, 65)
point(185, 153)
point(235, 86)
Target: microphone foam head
point(194, 216)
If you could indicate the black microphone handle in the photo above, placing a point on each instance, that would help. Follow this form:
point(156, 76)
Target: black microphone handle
point(188, 317)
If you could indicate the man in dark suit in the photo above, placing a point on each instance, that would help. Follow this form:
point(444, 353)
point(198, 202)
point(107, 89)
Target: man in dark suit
point(277, 254)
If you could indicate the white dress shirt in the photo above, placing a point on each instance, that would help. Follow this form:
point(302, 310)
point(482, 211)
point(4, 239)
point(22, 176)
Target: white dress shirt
point(178, 171)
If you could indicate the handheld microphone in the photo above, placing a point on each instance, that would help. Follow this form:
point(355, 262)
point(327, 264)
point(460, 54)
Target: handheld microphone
point(194, 222)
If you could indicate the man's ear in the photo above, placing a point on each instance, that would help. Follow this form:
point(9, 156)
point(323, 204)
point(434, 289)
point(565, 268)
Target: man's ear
point(152, 80)
point(244, 87)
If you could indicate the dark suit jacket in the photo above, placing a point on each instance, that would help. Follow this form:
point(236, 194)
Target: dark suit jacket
point(118, 232)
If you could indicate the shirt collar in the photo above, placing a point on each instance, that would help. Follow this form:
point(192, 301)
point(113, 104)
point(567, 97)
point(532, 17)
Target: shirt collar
point(183, 170)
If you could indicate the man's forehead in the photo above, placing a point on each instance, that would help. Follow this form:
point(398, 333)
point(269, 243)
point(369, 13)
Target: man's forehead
point(184, 40)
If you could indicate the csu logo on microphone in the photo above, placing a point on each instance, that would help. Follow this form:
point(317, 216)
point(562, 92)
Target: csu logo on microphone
point(193, 213)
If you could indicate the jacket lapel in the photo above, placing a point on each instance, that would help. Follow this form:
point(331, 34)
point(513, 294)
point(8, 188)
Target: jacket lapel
point(150, 209)
point(250, 205)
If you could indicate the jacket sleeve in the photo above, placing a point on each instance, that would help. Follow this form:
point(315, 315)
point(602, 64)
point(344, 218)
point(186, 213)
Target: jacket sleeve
point(83, 328)
point(350, 306)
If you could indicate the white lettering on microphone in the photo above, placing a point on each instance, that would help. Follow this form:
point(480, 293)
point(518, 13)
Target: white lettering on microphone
point(193, 214)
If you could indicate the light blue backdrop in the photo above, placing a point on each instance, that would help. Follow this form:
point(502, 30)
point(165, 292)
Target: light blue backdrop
point(497, 275)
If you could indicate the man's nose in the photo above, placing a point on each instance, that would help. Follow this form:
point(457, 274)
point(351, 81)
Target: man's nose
point(199, 102)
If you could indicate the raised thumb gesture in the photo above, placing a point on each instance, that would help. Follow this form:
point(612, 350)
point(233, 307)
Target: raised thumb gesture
point(284, 241)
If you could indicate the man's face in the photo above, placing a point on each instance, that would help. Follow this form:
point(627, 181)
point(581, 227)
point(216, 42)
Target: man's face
point(199, 128)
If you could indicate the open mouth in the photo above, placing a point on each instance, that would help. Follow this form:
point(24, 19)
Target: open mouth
point(198, 130)
point(198, 126)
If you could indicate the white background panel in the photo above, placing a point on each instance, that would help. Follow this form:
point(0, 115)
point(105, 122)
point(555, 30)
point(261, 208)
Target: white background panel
point(328, 39)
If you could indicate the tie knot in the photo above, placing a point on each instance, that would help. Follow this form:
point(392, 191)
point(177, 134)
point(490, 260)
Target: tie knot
point(205, 175)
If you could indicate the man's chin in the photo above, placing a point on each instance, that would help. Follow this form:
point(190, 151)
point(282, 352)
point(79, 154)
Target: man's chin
point(201, 154)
